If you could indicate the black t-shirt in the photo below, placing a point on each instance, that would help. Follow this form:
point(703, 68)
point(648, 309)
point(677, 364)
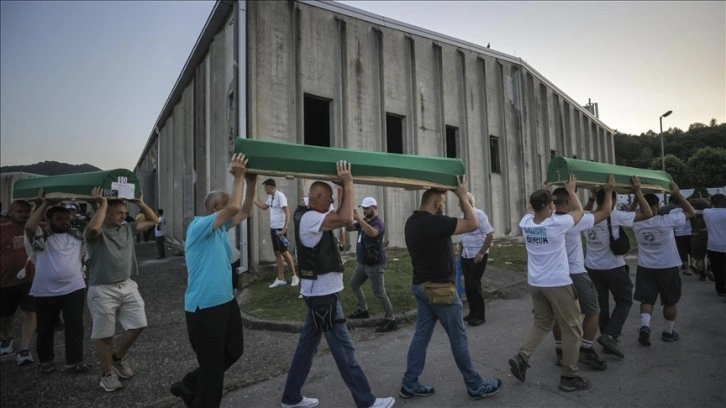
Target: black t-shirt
point(428, 239)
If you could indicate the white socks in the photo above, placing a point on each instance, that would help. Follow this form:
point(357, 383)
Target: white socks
point(645, 319)
point(669, 326)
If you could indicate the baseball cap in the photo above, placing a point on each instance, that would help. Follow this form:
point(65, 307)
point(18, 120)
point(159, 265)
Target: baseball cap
point(368, 202)
point(71, 207)
point(269, 182)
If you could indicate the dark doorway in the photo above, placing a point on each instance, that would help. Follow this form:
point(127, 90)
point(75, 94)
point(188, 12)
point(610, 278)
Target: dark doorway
point(316, 120)
point(394, 133)
point(452, 134)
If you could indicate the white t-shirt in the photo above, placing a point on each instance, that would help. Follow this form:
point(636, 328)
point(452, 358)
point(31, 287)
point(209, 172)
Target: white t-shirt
point(656, 243)
point(160, 228)
point(471, 242)
point(599, 256)
point(58, 267)
point(715, 219)
point(277, 203)
point(310, 235)
point(682, 230)
point(573, 244)
point(546, 256)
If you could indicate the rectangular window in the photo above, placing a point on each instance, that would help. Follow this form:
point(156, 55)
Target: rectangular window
point(574, 156)
point(494, 155)
point(316, 118)
point(452, 134)
point(553, 154)
point(394, 133)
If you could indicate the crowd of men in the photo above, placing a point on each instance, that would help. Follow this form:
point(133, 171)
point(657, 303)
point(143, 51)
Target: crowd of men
point(54, 264)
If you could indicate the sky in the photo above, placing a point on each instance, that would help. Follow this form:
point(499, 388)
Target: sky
point(84, 81)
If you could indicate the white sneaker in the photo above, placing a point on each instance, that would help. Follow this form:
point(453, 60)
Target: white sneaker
point(294, 281)
point(278, 282)
point(384, 402)
point(304, 403)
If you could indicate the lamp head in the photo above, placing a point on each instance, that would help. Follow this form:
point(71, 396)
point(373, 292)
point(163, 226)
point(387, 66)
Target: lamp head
point(666, 114)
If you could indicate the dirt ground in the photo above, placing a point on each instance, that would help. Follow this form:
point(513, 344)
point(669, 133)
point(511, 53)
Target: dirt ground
point(160, 357)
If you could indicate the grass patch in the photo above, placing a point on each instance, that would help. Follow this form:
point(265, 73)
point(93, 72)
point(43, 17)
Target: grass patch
point(282, 303)
point(510, 255)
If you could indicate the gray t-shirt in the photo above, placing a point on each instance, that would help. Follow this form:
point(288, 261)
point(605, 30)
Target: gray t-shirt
point(112, 257)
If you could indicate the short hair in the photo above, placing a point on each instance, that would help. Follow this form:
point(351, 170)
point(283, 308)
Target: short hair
point(540, 199)
point(269, 182)
point(57, 209)
point(21, 203)
point(718, 200)
point(600, 196)
point(561, 196)
point(431, 194)
point(209, 200)
point(115, 202)
point(672, 199)
point(651, 199)
point(470, 198)
point(161, 211)
point(699, 203)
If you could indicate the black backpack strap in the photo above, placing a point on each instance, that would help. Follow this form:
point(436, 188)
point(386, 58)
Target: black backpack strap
point(610, 231)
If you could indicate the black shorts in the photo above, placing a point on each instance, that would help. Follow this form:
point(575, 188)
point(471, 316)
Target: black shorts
point(651, 282)
point(277, 245)
point(698, 245)
point(683, 243)
point(14, 296)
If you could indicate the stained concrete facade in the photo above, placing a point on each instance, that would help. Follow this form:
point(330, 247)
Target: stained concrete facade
point(505, 120)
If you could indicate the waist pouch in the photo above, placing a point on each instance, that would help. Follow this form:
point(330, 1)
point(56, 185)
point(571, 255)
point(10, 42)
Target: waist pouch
point(442, 293)
point(323, 310)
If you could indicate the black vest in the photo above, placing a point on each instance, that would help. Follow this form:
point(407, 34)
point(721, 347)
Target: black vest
point(323, 258)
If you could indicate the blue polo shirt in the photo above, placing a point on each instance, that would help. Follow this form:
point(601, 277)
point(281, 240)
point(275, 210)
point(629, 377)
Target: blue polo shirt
point(208, 256)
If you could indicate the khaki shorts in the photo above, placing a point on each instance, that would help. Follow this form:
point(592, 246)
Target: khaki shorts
point(115, 302)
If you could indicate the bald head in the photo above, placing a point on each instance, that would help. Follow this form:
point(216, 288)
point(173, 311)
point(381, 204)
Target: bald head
point(215, 200)
point(320, 196)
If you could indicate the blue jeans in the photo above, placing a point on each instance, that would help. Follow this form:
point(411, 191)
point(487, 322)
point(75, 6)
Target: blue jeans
point(451, 320)
point(341, 347)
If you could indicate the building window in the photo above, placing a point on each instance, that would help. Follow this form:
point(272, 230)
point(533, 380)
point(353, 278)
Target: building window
point(452, 134)
point(394, 133)
point(316, 118)
point(494, 155)
point(574, 156)
point(553, 154)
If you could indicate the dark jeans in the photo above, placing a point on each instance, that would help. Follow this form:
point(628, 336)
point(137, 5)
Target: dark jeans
point(160, 241)
point(616, 281)
point(472, 286)
point(47, 316)
point(216, 336)
point(718, 267)
point(146, 235)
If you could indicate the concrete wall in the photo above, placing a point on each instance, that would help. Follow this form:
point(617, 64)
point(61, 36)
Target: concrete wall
point(366, 67)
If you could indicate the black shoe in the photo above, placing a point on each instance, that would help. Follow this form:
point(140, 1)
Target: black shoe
point(476, 322)
point(558, 355)
point(670, 337)
point(644, 336)
point(179, 390)
point(575, 383)
point(389, 325)
point(467, 317)
point(589, 358)
point(518, 367)
point(610, 344)
point(359, 314)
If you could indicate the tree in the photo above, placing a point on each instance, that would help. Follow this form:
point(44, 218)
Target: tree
point(675, 167)
point(707, 167)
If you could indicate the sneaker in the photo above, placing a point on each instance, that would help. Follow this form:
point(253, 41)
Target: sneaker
point(466, 318)
point(304, 403)
point(476, 322)
point(122, 369)
point(389, 325)
point(359, 314)
point(558, 354)
point(487, 389)
point(670, 337)
point(110, 382)
point(24, 357)
point(294, 281)
point(610, 344)
point(6, 346)
point(78, 368)
point(686, 271)
point(383, 402)
point(644, 336)
point(416, 391)
point(575, 383)
point(518, 367)
point(589, 358)
point(278, 282)
point(179, 390)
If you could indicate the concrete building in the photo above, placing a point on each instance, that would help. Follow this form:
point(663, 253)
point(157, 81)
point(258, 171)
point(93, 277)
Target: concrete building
point(323, 73)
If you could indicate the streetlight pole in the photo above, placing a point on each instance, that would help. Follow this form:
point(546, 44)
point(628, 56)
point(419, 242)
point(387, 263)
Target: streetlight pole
point(662, 146)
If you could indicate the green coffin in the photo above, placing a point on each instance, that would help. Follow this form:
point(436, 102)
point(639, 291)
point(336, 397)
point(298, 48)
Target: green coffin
point(120, 183)
point(386, 169)
point(592, 174)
